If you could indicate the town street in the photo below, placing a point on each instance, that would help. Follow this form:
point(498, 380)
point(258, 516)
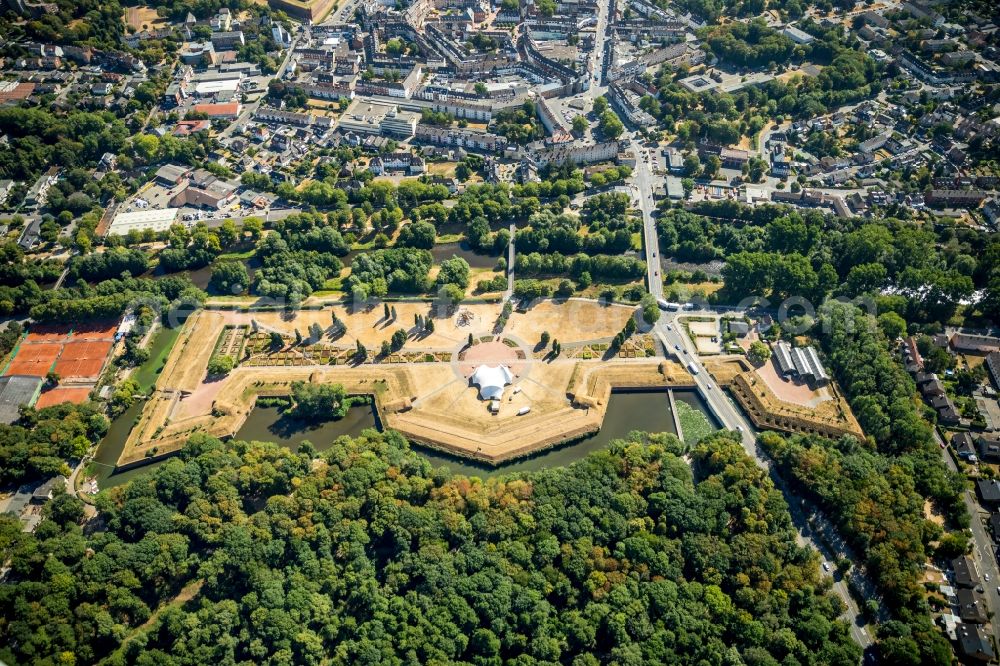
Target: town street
point(982, 553)
point(676, 342)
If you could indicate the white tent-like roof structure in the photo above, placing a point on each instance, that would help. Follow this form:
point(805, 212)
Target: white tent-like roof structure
point(491, 381)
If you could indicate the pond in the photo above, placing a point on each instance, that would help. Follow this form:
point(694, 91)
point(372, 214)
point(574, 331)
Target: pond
point(462, 249)
point(268, 424)
point(627, 411)
point(442, 251)
point(202, 276)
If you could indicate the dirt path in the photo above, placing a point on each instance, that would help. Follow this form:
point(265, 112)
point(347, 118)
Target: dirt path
point(186, 594)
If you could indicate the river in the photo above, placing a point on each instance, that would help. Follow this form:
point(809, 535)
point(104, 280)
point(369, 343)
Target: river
point(627, 411)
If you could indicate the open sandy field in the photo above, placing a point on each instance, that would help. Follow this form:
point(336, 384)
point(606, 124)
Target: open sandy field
point(568, 322)
point(429, 402)
point(787, 390)
point(144, 18)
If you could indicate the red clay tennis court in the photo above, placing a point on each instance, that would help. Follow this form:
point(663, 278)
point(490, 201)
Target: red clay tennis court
point(34, 359)
point(95, 330)
point(47, 333)
point(82, 359)
point(58, 396)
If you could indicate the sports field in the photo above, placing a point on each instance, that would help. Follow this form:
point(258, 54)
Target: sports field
point(76, 353)
point(35, 360)
point(57, 396)
point(83, 359)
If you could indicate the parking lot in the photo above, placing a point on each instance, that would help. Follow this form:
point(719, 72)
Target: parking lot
point(155, 196)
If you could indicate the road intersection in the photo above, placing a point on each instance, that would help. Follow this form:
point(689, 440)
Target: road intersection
point(676, 342)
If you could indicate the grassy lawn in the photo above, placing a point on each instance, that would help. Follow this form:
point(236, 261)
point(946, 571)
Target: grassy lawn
point(237, 256)
point(446, 169)
point(160, 348)
point(637, 241)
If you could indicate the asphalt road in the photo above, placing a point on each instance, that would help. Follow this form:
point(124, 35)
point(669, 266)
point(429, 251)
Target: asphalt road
point(983, 552)
point(677, 343)
point(643, 181)
point(673, 337)
point(249, 109)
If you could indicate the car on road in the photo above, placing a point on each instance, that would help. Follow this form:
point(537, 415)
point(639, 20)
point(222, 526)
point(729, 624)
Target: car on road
point(677, 347)
point(987, 577)
point(826, 566)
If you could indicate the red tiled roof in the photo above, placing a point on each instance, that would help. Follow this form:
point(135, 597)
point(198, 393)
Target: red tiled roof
point(218, 110)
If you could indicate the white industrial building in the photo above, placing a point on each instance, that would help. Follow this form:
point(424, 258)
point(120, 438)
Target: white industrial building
point(157, 219)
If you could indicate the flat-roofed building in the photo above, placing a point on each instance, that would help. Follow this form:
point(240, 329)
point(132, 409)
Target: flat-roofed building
point(399, 123)
point(364, 117)
point(16, 390)
point(171, 174)
point(798, 36)
point(157, 219)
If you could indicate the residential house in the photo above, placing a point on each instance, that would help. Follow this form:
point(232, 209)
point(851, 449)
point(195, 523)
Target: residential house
point(223, 21)
point(966, 573)
point(31, 235)
point(36, 196)
point(995, 525)
point(965, 447)
point(945, 408)
point(955, 198)
point(911, 355)
point(971, 607)
point(988, 446)
point(932, 389)
point(973, 643)
point(399, 161)
point(989, 492)
point(44, 492)
point(6, 185)
point(189, 127)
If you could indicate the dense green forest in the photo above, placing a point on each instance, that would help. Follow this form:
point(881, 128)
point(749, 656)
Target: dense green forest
point(920, 272)
point(875, 491)
point(875, 506)
point(40, 442)
point(367, 555)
